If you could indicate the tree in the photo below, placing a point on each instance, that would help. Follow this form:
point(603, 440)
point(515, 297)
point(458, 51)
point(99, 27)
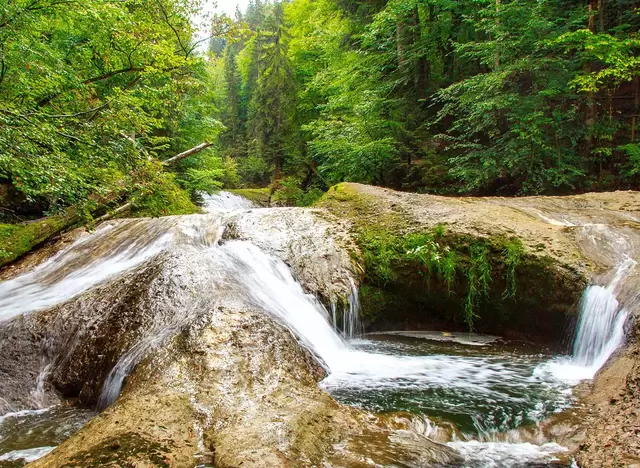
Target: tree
point(85, 87)
point(231, 115)
point(272, 103)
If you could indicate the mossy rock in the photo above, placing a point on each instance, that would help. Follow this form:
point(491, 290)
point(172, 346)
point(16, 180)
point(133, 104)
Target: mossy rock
point(435, 274)
point(18, 239)
point(259, 196)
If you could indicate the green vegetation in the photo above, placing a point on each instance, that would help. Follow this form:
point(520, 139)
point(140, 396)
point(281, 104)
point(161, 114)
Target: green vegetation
point(260, 196)
point(489, 96)
point(452, 263)
point(18, 239)
point(421, 274)
point(93, 95)
point(472, 96)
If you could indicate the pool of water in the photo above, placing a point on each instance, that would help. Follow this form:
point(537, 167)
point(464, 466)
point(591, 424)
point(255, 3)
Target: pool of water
point(479, 394)
point(482, 392)
point(28, 435)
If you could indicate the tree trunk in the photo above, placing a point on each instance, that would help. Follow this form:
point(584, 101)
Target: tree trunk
point(186, 154)
point(37, 232)
point(32, 234)
point(496, 62)
point(592, 8)
point(600, 7)
point(400, 47)
point(636, 108)
point(590, 105)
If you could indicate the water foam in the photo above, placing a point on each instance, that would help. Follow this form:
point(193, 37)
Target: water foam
point(26, 455)
point(74, 270)
point(600, 330)
point(225, 201)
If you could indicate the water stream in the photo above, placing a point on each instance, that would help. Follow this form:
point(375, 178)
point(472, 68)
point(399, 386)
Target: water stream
point(480, 394)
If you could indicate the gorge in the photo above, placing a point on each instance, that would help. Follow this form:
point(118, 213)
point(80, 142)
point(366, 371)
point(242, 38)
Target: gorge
point(235, 337)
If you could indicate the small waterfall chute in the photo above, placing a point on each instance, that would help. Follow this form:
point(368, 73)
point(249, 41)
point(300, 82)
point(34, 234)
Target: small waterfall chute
point(600, 329)
point(226, 201)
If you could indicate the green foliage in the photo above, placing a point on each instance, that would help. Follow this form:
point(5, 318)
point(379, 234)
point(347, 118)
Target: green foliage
point(290, 193)
point(94, 93)
point(208, 173)
point(162, 198)
point(474, 96)
point(617, 57)
point(18, 239)
point(460, 266)
point(478, 279)
point(510, 97)
point(254, 170)
point(512, 253)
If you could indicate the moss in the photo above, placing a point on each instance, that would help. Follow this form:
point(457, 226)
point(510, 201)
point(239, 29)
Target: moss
point(451, 264)
point(18, 239)
point(260, 196)
point(164, 198)
point(364, 210)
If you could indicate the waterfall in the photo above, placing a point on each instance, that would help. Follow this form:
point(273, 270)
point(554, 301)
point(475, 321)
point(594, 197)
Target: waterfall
point(92, 259)
point(199, 273)
point(600, 329)
point(225, 201)
point(349, 316)
point(267, 284)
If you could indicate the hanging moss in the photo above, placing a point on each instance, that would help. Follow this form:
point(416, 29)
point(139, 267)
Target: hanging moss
point(457, 264)
point(513, 253)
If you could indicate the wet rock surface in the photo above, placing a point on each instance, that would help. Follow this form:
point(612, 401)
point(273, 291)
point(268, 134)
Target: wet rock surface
point(314, 244)
point(210, 378)
point(584, 237)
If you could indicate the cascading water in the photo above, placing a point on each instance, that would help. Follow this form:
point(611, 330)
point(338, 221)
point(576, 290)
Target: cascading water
point(90, 260)
point(600, 328)
point(601, 323)
point(486, 394)
point(225, 201)
point(347, 319)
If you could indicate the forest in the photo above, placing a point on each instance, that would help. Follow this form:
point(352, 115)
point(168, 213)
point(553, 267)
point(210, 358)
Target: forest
point(474, 97)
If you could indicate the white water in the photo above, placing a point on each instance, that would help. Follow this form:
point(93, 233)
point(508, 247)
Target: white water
point(73, 270)
point(487, 379)
point(38, 394)
point(27, 455)
point(347, 321)
point(600, 329)
point(225, 201)
point(267, 283)
point(501, 454)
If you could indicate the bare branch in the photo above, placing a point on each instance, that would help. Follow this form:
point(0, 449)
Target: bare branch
point(186, 154)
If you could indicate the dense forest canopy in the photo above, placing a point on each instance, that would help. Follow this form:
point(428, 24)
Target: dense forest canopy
point(93, 95)
point(472, 96)
point(507, 97)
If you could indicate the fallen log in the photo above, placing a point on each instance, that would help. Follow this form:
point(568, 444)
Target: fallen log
point(16, 240)
point(186, 154)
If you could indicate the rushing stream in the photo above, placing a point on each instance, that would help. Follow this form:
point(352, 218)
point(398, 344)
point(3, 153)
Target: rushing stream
point(480, 394)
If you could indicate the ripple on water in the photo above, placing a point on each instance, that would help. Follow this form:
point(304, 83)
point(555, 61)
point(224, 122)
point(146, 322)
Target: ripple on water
point(28, 435)
point(481, 391)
